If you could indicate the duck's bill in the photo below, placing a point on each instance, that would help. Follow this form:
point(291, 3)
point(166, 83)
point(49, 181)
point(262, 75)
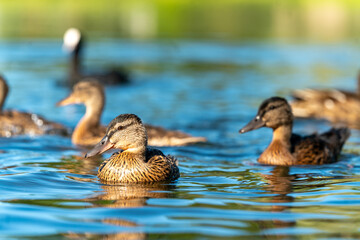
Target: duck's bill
point(100, 148)
point(67, 101)
point(256, 123)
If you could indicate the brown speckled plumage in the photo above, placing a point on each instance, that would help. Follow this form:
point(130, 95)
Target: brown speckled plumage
point(136, 163)
point(334, 105)
point(13, 122)
point(89, 131)
point(287, 148)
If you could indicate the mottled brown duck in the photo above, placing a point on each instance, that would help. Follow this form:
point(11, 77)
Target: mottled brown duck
point(89, 131)
point(136, 162)
point(14, 122)
point(334, 105)
point(287, 148)
point(74, 43)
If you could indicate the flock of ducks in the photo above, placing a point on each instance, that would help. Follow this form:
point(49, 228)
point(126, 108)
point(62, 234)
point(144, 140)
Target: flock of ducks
point(137, 163)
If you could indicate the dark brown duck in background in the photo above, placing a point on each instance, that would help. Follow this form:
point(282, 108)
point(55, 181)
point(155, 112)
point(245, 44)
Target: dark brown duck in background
point(334, 105)
point(287, 148)
point(13, 122)
point(136, 163)
point(74, 43)
point(89, 131)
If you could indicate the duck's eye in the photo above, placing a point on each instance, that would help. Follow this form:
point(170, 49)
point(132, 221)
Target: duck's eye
point(272, 107)
point(120, 128)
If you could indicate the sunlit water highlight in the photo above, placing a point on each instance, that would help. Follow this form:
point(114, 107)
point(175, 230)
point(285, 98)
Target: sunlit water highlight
point(48, 191)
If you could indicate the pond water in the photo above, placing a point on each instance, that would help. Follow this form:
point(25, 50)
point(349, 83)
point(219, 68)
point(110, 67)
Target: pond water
point(211, 89)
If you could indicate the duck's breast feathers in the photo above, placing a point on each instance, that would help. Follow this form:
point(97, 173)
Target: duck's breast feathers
point(127, 168)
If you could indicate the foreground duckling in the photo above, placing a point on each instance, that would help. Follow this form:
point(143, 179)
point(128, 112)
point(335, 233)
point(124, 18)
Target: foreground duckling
point(88, 131)
point(334, 105)
point(287, 148)
point(13, 122)
point(136, 163)
point(73, 43)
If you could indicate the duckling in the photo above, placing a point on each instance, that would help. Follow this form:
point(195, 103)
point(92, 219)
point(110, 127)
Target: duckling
point(136, 163)
point(334, 105)
point(13, 122)
point(73, 43)
point(287, 148)
point(88, 131)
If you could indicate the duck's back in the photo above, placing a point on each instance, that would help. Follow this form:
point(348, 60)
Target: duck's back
point(334, 105)
point(158, 136)
point(319, 149)
point(20, 123)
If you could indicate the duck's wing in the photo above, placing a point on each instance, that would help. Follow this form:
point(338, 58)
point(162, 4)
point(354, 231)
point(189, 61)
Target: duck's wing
point(319, 149)
point(158, 136)
point(161, 167)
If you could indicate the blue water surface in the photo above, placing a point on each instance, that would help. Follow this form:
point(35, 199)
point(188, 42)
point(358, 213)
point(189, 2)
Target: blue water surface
point(211, 89)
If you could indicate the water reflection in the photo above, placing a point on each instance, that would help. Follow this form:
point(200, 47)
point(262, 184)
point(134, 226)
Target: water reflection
point(126, 196)
point(280, 183)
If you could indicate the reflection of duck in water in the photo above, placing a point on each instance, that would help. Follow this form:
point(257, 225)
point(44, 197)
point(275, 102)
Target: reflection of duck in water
point(133, 195)
point(287, 148)
point(13, 122)
point(279, 183)
point(88, 132)
point(74, 42)
point(136, 163)
point(335, 105)
point(125, 196)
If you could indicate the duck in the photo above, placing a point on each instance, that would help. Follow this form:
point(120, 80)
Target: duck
point(89, 131)
point(287, 148)
point(334, 105)
point(13, 122)
point(136, 162)
point(73, 42)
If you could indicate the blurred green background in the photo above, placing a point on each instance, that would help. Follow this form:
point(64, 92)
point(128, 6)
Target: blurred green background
point(230, 20)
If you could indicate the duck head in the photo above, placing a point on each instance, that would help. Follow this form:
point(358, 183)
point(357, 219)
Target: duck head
point(88, 92)
point(126, 132)
point(273, 113)
point(72, 40)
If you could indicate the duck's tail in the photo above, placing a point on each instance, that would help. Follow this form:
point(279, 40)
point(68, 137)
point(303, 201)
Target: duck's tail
point(336, 137)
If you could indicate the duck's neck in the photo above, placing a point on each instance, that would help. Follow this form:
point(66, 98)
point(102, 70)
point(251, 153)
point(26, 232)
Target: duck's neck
point(90, 121)
point(278, 152)
point(75, 68)
point(282, 135)
point(3, 94)
point(75, 64)
point(358, 83)
point(2, 100)
point(132, 157)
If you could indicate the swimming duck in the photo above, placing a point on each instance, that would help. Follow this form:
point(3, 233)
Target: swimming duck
point(334, 105)
point(13, 122)
point(287, 148)
point(73, 43)
point(136, 163)
point(89, 131)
